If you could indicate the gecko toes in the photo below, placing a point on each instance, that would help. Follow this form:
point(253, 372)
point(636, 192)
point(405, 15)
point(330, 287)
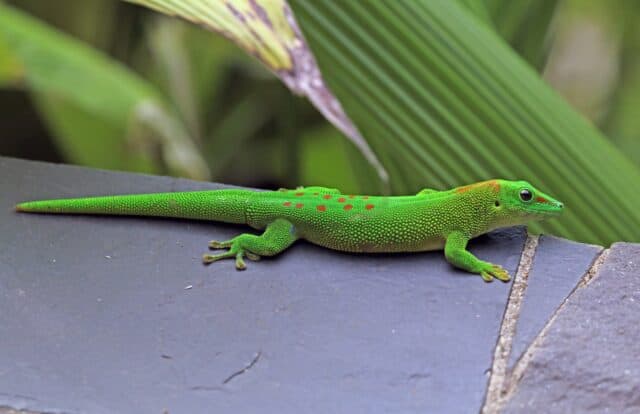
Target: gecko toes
point(492, 271)
point(486, 276)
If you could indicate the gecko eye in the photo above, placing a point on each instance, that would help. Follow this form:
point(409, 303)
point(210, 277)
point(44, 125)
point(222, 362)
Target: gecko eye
point(525, 195)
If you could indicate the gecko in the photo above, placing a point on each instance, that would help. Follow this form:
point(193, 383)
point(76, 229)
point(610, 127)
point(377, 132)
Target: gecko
point(429, 220)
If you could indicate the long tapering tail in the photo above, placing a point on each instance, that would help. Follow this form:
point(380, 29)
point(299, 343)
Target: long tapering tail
point(217, 205)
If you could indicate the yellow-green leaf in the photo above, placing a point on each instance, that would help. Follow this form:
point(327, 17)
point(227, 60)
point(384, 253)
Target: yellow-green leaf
point(267, 30)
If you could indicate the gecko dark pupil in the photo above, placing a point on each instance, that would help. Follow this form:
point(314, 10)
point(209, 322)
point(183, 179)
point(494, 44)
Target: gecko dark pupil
point(525, 195)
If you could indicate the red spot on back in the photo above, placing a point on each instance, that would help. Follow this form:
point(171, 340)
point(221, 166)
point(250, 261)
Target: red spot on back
point(342, 200)
point(299, 205)
point(541, 200)
point(287, 204)
point(348, 207)
point(326, 196)
point(369, 206)
point(299, 194)
point(321, 208)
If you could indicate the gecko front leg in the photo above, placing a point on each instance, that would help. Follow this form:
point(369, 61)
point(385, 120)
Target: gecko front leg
point(276, 238)
point(455, 250)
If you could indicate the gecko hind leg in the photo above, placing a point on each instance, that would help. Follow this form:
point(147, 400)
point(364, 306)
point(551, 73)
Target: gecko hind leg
point(276, 238)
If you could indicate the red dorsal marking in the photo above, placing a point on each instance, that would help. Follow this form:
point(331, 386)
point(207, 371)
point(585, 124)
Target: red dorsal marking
point(321, 208)
point(541, 200)
point(326, 196)
point(299, 194)
point(342, 200)
point(348, 207)
point(369, 206)
point(287, 204)
point(299, 205)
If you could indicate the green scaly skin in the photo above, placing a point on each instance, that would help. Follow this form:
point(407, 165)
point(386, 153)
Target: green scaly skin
point(429, 220)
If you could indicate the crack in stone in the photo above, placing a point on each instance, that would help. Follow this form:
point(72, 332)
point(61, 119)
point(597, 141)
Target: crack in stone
point(593, 270)
point(522, 364)
point(499, 374)
point(503, 384)
point(245, 369)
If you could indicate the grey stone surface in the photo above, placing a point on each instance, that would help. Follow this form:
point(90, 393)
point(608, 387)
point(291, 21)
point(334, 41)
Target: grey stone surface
point(589, 361)
point(557, 268)
point(115, 314)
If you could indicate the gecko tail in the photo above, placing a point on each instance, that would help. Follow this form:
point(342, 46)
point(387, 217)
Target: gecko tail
point(216, 205)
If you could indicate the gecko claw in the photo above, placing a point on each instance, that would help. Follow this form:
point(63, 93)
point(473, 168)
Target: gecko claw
point(494, 271)
point(486, 277)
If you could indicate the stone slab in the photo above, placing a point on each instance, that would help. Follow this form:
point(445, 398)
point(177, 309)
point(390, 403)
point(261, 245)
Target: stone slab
point(589, 361)
point(116, 314)
point(557, 267)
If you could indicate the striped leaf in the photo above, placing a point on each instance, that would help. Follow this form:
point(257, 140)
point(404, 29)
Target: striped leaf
point(444, 101)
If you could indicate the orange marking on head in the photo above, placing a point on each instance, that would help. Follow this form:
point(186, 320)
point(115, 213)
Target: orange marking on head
point(342, 200)
point(369, 206)
point(326, 196)
point(541, 200)
point(321, 208)
point(492, 184)
point(348, 207)
point(299, 194)
point(299, 205)
point(287, 203)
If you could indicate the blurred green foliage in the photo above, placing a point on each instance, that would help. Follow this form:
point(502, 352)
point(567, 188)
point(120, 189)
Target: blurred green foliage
point(113, 85)
point(130, 89)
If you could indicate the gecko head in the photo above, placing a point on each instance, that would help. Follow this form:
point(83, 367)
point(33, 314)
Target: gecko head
point(519, 202)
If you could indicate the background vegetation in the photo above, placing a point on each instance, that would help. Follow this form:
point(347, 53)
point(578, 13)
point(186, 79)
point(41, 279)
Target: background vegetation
point(206, 110)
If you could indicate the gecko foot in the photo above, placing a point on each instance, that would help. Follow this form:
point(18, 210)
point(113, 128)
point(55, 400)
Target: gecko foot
point(239, 256)
point(491, 271)
point(276, 238)
point(235, 250)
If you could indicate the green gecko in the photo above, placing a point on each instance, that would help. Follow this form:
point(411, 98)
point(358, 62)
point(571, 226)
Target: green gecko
point(429, 220)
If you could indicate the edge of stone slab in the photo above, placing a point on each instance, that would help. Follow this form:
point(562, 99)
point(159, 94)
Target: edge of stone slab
point(503, 387)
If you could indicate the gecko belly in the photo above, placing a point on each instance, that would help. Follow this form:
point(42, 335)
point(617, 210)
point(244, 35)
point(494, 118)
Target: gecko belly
point(369, 244)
